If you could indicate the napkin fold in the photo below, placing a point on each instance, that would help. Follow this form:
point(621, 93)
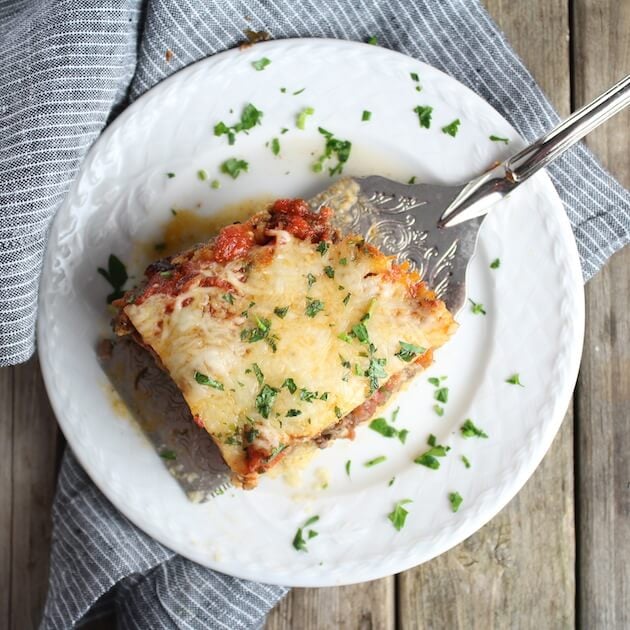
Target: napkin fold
point(69, 66)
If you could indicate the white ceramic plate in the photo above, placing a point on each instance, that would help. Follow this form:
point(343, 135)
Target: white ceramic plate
point(534, 303)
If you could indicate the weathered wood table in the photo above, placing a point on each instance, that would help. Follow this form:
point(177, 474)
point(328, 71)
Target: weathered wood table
point(558, 556)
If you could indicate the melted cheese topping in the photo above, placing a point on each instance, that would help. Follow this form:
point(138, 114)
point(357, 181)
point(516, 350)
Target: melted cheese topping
point(214, 332)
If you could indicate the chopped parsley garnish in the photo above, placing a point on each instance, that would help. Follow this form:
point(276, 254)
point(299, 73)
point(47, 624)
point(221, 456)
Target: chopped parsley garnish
point(373, 41)
point(414, 76)
point(359, 331)
point(275, 146)
point(260, 377)
point(299, 543)
point(412, 180)
point(366, 115)
point(515, 379)
point(468, 429)
point(334, 147)
point(215, 184)
point(395, 414)
point(429, 458)
point(381, 426)
point(310, 280)
point(202, 175)
point(441, 394)
point(250, 117)
point(174, 212)
point(456, 500)
point(439, 410)
point(329, 271)
point(398, 515)
point(322, 247)
point(283, 90)
point(292, 413)
point(313, 307)
point(203, 379)
point(375, 461)
point(170, 175)
point(260, 332)
point(452, 128)
point(233, 167)
point(346, 299)
point(348, 464)
point(424, 115)
point(116, 275)
point(338, 412)
point(375, 371)
point(159, 247)
point(300, 120)
point(298, 91)
point(265, 400)
point(228, 297)
point(261, 64)
point(499, 139)
point(168, 454)
point(495, 264)
point(345, 337)
point(308, 396)
point(251, 434)
point(281, 311)
point(343, 261)
point(289, 383)
point(408, 352)
point(477, 308)
point(466, 461)
point(434, 380)
point(391, 481)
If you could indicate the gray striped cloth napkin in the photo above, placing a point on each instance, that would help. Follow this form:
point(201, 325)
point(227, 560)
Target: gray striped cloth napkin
point(69, 66)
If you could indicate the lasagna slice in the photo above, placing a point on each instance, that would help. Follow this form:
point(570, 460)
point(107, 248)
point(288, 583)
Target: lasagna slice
point(279, 331)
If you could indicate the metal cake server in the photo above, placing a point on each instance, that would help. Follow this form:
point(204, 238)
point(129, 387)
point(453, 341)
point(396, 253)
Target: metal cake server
point(436, 227)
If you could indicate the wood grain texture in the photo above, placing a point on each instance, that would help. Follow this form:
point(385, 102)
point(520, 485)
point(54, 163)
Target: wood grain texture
point(517, 571)
point(34, 465)
point(368, 606)
point(601, 34)
point(6, 491)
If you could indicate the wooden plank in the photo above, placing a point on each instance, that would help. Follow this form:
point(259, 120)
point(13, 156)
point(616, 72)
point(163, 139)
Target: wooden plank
point(34, 466)
point(367, 606)
point(6, 491)
point(517, 571)
point(601, 34)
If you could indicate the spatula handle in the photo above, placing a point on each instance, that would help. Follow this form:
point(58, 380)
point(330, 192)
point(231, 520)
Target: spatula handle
point(481, 193)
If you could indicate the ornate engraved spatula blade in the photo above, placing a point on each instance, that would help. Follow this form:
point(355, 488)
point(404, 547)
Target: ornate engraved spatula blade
point(402, 220)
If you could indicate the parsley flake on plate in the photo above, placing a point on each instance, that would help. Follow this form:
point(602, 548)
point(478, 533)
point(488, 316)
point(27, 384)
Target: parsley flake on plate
point(250, 117)
point(499, 139)
point(468, 429)
point(466, 461)
point(170, 175)
point(452, 128)
point(456, 500)
point(348, 465)
point(333, 147)
point(477, 308)
point(215, 184)
point(375, 461)
point(424, 115)
point(233, 167)
point(299, 542)
point(300, 120)
point(441, 394)
point(495, 264)
point(202, 175)
point(203, 379)
point(381, 426)
point(373, 41)
point(438, 410)
point(275, 146)
point(261, 64)
point(116, 275)
point(429, 458)
point(515, 379)
point(398, 515)
point(412, 180)
point(366, 115)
